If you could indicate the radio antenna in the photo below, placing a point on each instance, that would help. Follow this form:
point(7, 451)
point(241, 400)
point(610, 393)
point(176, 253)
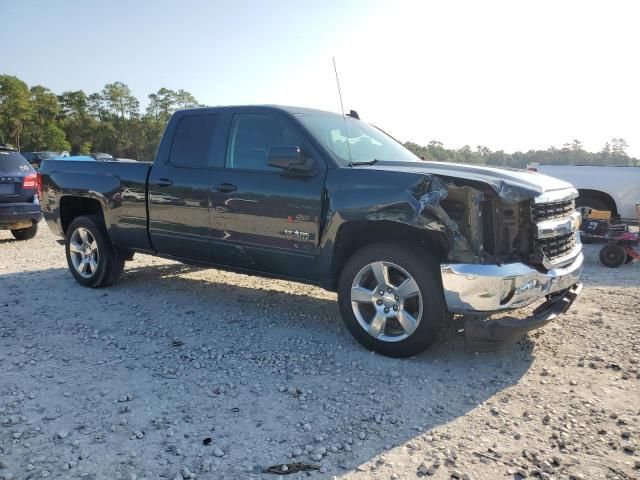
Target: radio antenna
point(344, 118)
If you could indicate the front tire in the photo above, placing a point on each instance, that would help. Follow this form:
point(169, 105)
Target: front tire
point(92, 259)
point(391, 300)
point(25, 233)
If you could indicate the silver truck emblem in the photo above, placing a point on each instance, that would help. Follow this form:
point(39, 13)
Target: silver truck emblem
point(298, 234)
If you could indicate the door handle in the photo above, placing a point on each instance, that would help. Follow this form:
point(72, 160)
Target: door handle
point(164, 182)
point(225, 187)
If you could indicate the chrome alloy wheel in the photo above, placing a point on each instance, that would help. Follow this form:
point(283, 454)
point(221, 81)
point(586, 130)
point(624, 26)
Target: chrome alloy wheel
point(84, 253)
point(386, 301)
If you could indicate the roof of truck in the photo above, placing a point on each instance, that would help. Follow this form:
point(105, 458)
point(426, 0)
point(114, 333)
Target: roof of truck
point(285, 108)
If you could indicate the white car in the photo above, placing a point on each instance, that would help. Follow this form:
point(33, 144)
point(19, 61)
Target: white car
point(615, 189)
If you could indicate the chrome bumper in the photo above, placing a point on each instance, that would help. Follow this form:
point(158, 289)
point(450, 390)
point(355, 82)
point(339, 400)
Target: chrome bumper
point(472, 288)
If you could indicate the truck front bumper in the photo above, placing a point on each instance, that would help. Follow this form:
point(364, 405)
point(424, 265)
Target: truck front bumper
point(480, 290)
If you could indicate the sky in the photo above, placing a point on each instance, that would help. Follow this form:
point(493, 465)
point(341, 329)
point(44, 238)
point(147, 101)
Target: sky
point(502, 74)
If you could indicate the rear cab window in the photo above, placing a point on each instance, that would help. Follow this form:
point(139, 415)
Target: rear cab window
point(192, 141)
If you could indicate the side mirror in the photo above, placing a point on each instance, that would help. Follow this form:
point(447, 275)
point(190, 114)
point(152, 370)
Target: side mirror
point(291, 159)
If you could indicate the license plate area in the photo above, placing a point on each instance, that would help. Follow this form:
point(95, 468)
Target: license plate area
point(7, 189)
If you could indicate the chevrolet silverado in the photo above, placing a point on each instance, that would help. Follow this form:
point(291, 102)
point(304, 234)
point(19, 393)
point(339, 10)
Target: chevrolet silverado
point(330, 200)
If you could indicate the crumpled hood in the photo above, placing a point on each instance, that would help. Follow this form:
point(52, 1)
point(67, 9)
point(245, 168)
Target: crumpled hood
point(510, 184)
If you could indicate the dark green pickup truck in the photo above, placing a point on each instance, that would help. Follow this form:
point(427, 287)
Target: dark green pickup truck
point(330, 200)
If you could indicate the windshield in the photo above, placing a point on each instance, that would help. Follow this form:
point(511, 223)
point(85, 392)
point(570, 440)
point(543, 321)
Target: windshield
point(365, 142)
point(47, 155)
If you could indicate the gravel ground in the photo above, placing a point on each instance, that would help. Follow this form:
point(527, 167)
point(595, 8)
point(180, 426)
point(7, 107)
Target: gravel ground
point(180, 372)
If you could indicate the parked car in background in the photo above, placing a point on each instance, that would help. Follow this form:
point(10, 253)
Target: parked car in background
point(75, 158)
point(19, 195)
point(35, 158)
point(614, 189)
point(101, 156)
point(333, 201)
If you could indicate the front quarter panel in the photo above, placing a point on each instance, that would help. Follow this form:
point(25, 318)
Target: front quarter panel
point(368, 195)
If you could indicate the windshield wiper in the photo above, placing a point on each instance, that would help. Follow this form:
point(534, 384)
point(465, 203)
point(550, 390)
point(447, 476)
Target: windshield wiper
point(370, 162)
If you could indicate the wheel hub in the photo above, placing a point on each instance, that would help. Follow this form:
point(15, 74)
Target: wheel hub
point(83, 251)
point(386, 301)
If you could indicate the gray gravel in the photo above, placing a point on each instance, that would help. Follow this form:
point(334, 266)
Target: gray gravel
point(179, 373)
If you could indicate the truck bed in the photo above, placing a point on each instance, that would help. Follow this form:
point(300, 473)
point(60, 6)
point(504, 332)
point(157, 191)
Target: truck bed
point(120, 187)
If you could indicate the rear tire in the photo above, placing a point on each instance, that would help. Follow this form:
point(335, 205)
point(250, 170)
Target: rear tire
point(384, 278)
point(613, 255)
point(92, 259)
point(25, 233)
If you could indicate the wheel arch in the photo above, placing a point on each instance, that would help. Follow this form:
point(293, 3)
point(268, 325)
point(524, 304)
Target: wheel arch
point(605, 198)
point(352, 236)
point(72, 207)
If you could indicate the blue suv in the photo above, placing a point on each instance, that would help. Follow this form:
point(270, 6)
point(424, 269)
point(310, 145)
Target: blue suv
point(19, 195)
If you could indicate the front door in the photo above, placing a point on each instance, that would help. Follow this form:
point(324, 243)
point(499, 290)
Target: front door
point(261, 217)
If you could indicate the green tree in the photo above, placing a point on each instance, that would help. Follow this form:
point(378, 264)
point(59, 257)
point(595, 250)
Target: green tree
point(76, 121)
point(42, 131)
point(96, 106)
point(619, 146)
point(185, 100)
point(483, 151)
point(15, 108)
point(119, 121)
point(119, 100)
point(437, 151)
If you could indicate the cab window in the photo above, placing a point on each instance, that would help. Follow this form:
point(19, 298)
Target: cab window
point(192, 141)
point(252, 135)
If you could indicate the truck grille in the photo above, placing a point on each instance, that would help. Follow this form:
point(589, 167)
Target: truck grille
point(555, 248)
point(547, 211)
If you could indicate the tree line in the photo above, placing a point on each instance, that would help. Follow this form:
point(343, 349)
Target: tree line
point(35, 119)
point(110, 121)
point(573, 153)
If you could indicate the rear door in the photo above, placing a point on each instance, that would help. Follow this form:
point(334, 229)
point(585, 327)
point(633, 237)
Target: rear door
point(14, 169)
point(261, 217)
point(179, 187)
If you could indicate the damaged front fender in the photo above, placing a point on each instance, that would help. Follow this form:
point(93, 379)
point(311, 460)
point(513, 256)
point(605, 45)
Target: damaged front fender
point(430, 215)
point(410, 199)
